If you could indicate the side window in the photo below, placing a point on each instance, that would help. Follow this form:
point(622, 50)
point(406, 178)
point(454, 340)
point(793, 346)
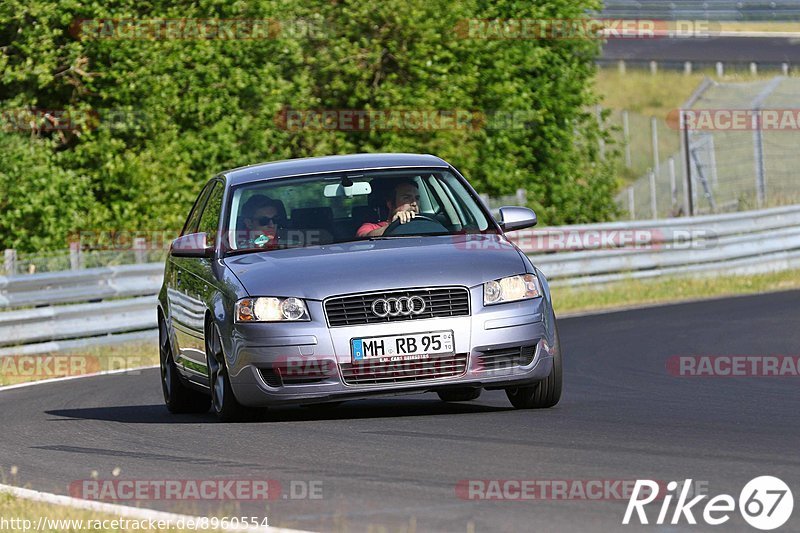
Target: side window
point(209, 220)
point(194, 217)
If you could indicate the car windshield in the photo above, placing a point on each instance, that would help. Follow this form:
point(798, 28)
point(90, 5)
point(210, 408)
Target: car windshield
point(335, 208)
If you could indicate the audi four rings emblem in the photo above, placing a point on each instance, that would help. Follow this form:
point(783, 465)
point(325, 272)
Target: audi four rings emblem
point(405, 306)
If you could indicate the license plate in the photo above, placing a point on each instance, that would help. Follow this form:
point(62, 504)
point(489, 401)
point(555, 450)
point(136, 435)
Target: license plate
point(417, 345)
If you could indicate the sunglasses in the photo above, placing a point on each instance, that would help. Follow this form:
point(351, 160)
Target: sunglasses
point(263, 221)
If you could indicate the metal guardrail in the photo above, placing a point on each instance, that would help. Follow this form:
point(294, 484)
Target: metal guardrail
point(116, 304)
point(738, 243)
point(103, 305)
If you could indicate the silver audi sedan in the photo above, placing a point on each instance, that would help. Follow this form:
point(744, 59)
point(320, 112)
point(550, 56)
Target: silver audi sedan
point(314, 281)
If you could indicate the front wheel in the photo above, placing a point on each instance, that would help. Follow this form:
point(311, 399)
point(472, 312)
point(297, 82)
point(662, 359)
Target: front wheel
point(544, 394)
point(177, 396)
point(223, 401)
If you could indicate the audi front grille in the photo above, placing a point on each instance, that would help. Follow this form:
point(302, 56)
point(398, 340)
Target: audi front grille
point(375, 372)
point(390, 306)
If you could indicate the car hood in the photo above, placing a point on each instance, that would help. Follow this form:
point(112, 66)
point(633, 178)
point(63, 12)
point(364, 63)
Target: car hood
point(318, 272)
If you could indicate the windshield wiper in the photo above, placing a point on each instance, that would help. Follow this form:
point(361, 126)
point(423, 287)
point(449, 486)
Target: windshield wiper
point(382, 237)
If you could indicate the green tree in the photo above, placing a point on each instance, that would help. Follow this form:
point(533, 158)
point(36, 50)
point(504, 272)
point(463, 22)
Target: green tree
point(151, 120)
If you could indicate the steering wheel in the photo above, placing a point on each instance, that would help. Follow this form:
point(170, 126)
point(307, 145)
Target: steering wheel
point(422, 224)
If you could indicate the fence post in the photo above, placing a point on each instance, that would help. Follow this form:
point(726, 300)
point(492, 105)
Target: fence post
point(753, 68)
point(600, 142)
point(758, 138)
point(720, 69)
point(75, 255)
point(785, 69)
point(10, 262)
point(654, 135)
point(687, 67)
point(673, 185)
point(139, 249)
point(653, 204)
point(686, 148)
point(758, 157)
point(621, 66)
point(653, 68)
point(631, 205)
point(522, 197)
point(626, 138)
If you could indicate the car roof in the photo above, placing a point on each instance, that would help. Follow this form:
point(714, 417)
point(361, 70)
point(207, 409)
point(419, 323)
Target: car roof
point(332, 163)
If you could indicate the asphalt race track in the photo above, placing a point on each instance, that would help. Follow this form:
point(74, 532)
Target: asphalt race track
point(772, 50)
point(396, 462)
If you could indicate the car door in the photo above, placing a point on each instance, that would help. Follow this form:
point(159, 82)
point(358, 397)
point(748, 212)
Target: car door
point(187, 294)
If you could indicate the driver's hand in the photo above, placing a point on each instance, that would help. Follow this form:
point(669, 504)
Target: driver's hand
point(404, 216)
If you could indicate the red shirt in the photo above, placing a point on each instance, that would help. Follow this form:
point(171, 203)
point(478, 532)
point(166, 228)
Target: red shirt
point(366, 227)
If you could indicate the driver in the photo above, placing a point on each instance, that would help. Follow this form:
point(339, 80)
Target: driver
point(403, 204)
point(263, 222)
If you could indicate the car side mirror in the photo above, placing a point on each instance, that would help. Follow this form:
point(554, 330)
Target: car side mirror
point(192, 245)
point(514, 218)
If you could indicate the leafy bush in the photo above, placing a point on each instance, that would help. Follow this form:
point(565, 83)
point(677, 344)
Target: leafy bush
point(151, 120)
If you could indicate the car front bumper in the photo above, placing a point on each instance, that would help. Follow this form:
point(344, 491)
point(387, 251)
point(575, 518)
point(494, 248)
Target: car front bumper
point(307, 362)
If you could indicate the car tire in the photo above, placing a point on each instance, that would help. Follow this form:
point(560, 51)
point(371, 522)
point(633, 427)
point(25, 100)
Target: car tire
point(177, 396)
point(223, 401)
point(459, 395)
point(543, 394)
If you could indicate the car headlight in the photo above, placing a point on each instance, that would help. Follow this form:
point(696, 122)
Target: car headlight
point(271, 309)
point(511, 289)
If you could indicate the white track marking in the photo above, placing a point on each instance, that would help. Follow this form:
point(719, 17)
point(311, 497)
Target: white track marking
point(110, 508)
point(67, 378)
point(125, 511)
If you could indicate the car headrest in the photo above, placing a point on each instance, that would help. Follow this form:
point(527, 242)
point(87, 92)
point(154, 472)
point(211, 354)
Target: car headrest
point(364, 213)
point(312, 217)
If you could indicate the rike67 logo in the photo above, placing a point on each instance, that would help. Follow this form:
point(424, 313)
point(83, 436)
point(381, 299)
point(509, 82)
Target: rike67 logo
point(765, 503)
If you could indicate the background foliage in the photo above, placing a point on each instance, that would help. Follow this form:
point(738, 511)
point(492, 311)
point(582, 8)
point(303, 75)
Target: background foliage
point(157, 118)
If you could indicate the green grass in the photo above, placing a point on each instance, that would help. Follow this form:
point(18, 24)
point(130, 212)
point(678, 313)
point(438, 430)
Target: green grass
point(756, 25)
point(12, 507)
point(18, 369)
point(634, 293)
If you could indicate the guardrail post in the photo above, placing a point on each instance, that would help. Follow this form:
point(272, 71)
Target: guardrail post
point(139, 249)
point(10, 262)
point(75, 256)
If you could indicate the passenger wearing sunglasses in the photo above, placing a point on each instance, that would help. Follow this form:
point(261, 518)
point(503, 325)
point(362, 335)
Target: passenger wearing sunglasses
point(263, 222)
